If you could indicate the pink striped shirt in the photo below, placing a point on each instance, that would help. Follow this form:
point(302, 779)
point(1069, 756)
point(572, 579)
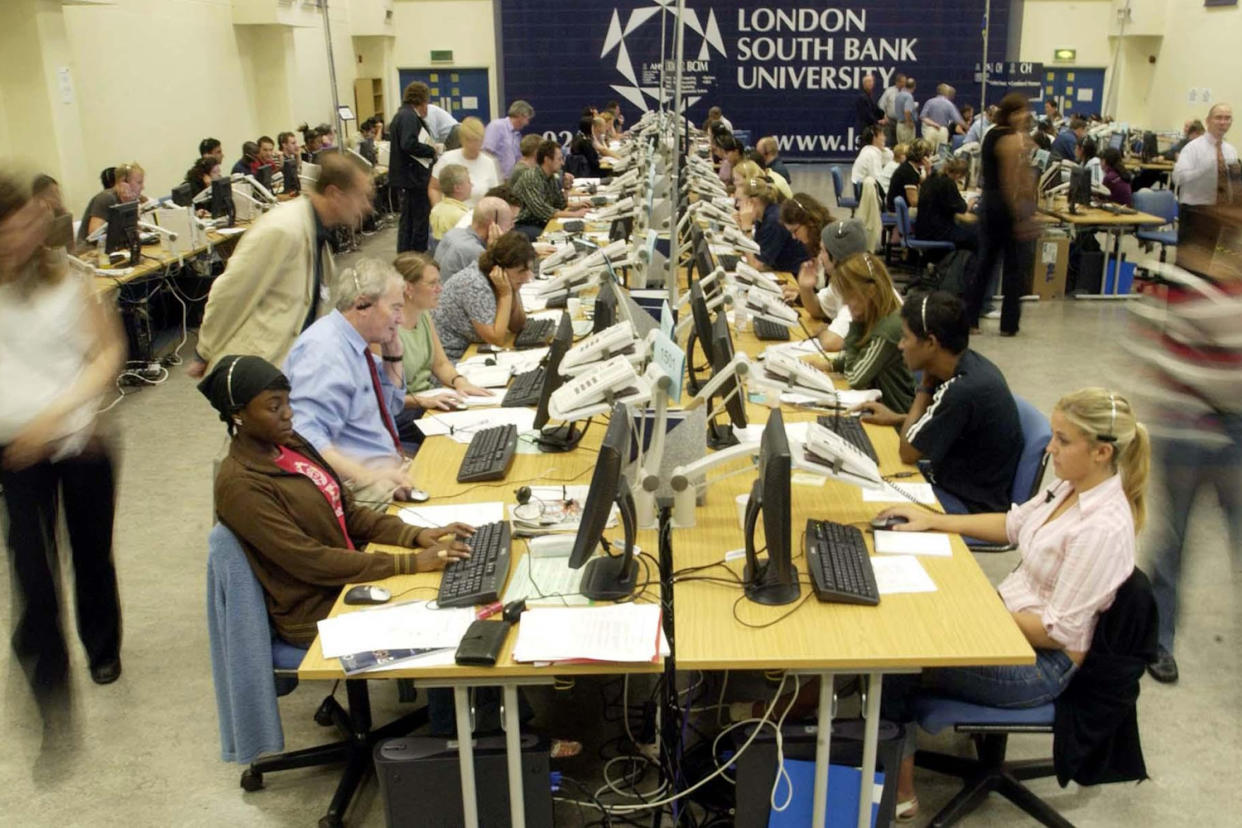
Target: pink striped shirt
point(1070, 568)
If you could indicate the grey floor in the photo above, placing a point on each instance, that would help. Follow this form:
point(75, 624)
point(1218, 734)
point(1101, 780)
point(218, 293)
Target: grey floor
point(145, 751)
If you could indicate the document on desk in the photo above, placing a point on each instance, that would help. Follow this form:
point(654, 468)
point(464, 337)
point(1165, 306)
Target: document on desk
point(846, 398)
point(798, 347)
point(516, 361)
point(462, 425)
point(932, 544)
point(487, 376)
point(890, 493)
point(230, 231)
point(471, 400)
point(546, 582)
point(408, 626)
point(475, 514)
point(379, 660)
point(896, 574)
point(619, 632)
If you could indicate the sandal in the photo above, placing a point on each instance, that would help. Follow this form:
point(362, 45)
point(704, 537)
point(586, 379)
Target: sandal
point(906, 811)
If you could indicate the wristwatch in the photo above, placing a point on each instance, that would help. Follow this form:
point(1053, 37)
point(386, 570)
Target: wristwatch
point(397, 358)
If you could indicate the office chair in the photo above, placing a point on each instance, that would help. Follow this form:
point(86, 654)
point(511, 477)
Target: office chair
point(908, 241)
point(989, 727)
point(1159, 203)
point(838, 187)
point(251, 666)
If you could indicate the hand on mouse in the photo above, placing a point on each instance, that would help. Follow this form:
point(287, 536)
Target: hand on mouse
point(436, 402)
point(878, 413)
point(467, 388)
point(917, 520)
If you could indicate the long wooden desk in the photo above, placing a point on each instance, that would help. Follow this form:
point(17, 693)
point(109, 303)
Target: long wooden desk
point(1095, 219)
point(157, 259)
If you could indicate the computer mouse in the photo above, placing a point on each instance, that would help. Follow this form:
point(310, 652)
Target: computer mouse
point(417, 496)
point(490, 361)
point(459, 405)
point(367, 594)
point(887, 522)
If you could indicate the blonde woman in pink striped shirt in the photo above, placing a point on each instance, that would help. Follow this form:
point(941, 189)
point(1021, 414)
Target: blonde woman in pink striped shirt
point(1077, 541)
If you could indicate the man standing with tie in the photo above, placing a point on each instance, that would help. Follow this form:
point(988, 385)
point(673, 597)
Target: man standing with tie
point(1206, 165)
point(344, 397)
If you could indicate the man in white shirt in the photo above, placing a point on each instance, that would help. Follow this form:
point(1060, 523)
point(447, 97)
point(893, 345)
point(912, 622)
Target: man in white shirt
point(888, 103)
point(439, 124)
point(872, 157)
point(1206, 164)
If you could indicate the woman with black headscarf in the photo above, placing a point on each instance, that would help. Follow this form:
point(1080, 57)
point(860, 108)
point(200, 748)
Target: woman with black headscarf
point(301, 530)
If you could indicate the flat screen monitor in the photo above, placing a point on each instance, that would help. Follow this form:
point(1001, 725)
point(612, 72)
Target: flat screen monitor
point(183, 194)
point(1116, 141)
point(222, 199)
point(263, 175)
point(621, 228)
point(1151, 147)
point(775, 580)
point(701, 333)
point(1079, 186)
point(565, 437)
point(290, 181)
point(609, 577)
point(605, 307)
point(720, 435)
point(122, 226)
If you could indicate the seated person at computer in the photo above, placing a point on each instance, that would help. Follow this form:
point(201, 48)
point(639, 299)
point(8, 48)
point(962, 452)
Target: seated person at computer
point(368, 134)
point(1065, 146)
point(200, 176)
point(423, 355)
point(871, 358)
point(964, 422)
point(344, 397)
point(312, 143)
point(541, 193)
point(455, 188)
point(885, 178)
point(1116, 179)
point(759, 210)
point(528, 147)
point(589, 144)
point(328, 133)
point(905, 180)
point(302, 529)
point(871, 157)
point(211, 147)
point(267, 154)
point(940, 203)
point(484, 173)
point(249, 160)
point(838, 241)
point(127, 180)
point(1077, 548)
point(730, 156)
point(481, 303)
point(462, 246)
point(780, 182)
point(748, 168)
point(288, 144)
point(805, 219)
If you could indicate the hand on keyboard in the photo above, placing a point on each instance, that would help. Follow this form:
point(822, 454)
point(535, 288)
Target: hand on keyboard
point(435, 534)
point(448, 544)
point(878, 413)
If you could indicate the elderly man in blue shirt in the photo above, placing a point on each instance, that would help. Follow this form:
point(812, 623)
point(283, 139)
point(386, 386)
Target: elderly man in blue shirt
point(941, 118)
point(503, 136)
point(344, 398)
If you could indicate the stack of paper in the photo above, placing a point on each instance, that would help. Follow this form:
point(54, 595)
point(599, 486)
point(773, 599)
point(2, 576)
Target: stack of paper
point(410, 626)
point(621, 632)
point(462, 425)
point(912, 543)
point(473, 514)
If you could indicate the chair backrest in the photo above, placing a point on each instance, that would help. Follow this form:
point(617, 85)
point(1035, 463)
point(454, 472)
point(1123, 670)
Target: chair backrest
point(837, 180)
point(1157, 202)
point(1036, 432)
point(957, 141)
point(903, 219)
point(244, 594)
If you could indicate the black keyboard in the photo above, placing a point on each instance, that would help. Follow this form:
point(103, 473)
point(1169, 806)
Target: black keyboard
point(768, 330)
point(852, 430)
point(840, 567)
point(479, 579)
point(490, 454)
point(536, 333)
point(524, 389)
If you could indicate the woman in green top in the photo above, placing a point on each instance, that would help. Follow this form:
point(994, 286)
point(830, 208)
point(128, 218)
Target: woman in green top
point(871, 358)
point(424, 357)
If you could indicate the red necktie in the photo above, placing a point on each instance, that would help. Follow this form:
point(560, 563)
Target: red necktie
point(379, 398)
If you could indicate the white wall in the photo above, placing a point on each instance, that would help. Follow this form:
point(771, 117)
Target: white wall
point(1201, 49)
point(1066, 24)
point(465, 26)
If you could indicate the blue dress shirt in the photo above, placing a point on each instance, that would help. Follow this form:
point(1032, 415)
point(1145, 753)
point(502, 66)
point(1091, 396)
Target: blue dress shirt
point(333, 397)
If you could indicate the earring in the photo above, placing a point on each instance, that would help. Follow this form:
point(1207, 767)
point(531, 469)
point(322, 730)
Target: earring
point(237, 421)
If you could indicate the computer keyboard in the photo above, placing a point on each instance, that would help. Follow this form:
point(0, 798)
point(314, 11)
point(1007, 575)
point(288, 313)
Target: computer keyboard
point(852, 430)
point(479, 579)
point(840, 567)
point(768, 330)
point(536, 333)
point(524, 389)
point(490, 454)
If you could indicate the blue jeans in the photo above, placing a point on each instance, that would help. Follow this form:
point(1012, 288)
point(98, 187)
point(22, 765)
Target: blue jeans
point(1026, 685)
point(1185, 468)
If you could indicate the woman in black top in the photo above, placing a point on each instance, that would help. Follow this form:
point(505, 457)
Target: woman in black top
point(1007, 207)
point(909, 174)
point(940, 202)
point(583, 146)
point(759, 208)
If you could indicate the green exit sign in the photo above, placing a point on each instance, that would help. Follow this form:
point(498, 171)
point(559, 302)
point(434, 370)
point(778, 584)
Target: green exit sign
point(441, 55)
point(1063, 55)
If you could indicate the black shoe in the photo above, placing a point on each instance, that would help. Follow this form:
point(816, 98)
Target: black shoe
point(1164, 668)
point(107, 672)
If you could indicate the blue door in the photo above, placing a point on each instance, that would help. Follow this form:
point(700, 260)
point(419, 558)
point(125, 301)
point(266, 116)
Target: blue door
point(1076, 91)
point(462, 92)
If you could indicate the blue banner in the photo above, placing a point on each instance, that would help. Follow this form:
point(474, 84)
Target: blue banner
point(785, 68)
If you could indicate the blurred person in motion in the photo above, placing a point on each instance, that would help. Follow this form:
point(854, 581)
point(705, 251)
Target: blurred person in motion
point(1186, 335)
point(60, 349)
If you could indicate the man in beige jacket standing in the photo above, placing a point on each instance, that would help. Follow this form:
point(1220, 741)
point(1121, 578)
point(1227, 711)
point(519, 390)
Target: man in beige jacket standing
point(278, 280)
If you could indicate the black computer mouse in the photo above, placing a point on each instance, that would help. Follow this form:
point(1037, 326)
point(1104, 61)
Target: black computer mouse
point(490, 361)
point(883, 522)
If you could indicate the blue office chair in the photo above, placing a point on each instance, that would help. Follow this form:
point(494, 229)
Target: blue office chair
point(956, 142)
point(906, 229)
point(1159, 203)
point(838, 188)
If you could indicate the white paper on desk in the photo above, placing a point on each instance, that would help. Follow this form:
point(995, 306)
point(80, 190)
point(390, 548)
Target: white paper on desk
point(619, 632)
point(900, 573)
point(474, 514)
point(411, 625)
point(554, 314)
point(516, 361)
point(446, 657)
point(916, 492)
point(462, 425)
point(230, 231)
point(471, 400)
point(794, 432)
point(583, 183)
point(486, 376)
point(847, 398)
point(933, 544)
point(546, 582)
point(800, 347)
point(531, 300)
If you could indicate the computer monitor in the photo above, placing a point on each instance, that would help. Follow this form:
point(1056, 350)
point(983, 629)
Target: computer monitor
point(1151, 147)
point(222, 199)
point(774, 581)
point(701, 333)
point(621, 228)
point(289, 176)
point(605, 306)
point(610, 577)
point(183, 194)
point(122, 231)
point(263, 175)
point(565, 437)
point(1079, 187)
point(720, 435)
point(1116, 141)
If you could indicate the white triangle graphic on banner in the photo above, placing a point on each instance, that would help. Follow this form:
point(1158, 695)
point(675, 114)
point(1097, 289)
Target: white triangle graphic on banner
point(713, 33)
point(614, 34)
point(624, 66)
point(632, 95)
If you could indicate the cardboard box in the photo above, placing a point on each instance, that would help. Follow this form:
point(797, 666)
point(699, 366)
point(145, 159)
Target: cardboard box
point(1050, 266)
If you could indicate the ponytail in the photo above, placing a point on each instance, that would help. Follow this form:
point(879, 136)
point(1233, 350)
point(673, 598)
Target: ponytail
point(1135, 465)
point(1105, 415)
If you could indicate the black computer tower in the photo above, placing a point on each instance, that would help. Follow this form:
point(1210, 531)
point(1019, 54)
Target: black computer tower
point(420, 781)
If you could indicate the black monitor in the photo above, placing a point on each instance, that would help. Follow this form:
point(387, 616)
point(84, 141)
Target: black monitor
point(610, 577)
point(1079, 187)
point(774, 581)
point(621, 228)
point(122, 233)
point(565, 437)
point(720, 435)
point(701, 332)
point(222, 199)
point(183, 194)
point(1151, 147)
point(1117, 141)
point(263, 175)
point(605, 307)
point(290, 183)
